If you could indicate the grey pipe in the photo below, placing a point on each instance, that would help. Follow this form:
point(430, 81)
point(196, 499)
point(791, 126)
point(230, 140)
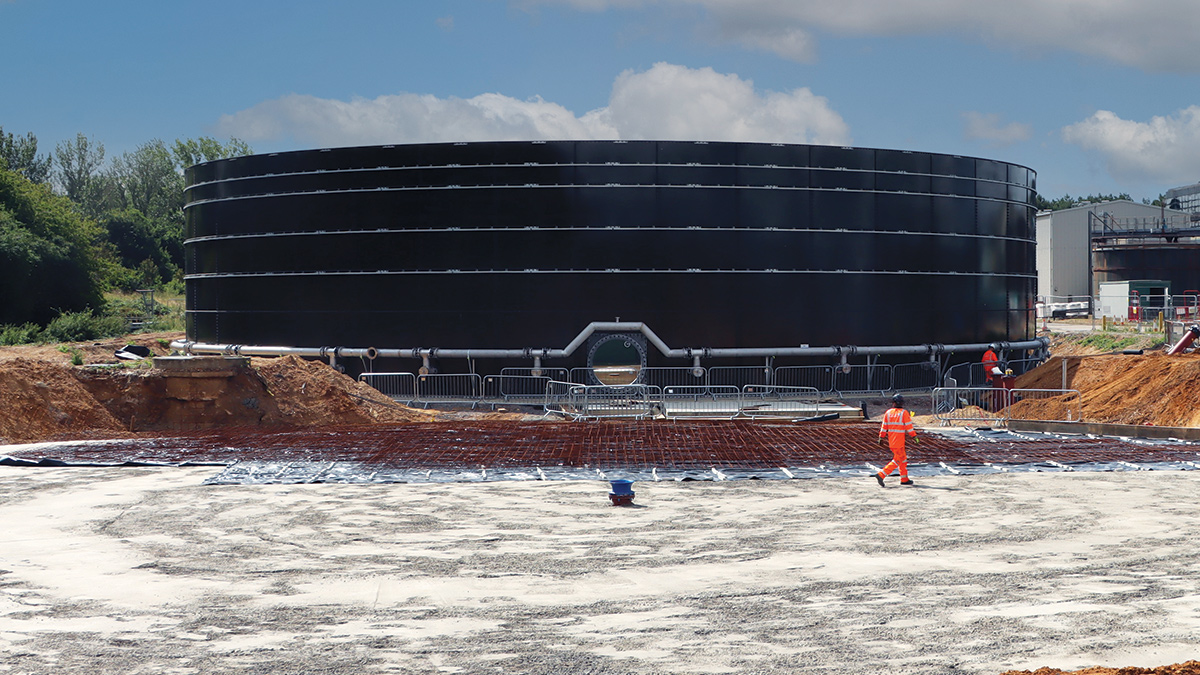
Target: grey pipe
point(598, 326)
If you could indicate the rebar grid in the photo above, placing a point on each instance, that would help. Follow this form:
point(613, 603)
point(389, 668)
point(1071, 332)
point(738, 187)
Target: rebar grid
point(603, 445)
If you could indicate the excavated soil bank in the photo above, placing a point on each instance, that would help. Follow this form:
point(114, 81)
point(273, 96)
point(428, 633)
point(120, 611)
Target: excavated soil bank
point(1150, 388)
point(1188, 668)
point(47, 398)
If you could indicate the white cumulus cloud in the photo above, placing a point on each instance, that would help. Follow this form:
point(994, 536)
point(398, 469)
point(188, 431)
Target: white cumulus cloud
point(990, 127)
point(1165, 149)
point(1157, 35)
point(667, 102)
point(677, 103)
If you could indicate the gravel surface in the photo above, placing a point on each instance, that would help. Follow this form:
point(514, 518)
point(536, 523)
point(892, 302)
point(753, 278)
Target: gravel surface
point(136, 570)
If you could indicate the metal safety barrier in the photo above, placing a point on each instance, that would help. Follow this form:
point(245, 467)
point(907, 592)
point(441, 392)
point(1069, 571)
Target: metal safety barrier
point(773, 400)
point(521, 385)
point(676, 376)
point(739, 376)
point(873, 379)
point(590, 401)
point(720, 391)
point(815, 377)
point(583, 401)
point(915, 376)
point(701, 401)
point(967, 375)
point(996, 406)
point(458, 388)
point(398, 386)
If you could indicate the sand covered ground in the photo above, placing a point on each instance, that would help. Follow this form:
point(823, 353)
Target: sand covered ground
point(135, 570)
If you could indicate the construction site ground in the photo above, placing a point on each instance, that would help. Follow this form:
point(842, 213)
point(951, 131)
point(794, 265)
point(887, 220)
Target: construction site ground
point(160, 569)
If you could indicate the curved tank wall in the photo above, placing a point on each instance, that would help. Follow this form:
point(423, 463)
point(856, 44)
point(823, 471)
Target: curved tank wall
point(522, 244)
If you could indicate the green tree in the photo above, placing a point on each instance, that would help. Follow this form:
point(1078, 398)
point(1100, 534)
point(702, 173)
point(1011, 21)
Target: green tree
point(148, 180)
point(77, 173)
point(205, 149)
point(141, 246)
point(20, 154)
point(51, 257)
point(142, 198)
point(1067, 201)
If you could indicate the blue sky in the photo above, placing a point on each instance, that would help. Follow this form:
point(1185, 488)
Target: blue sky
point(1098, 96)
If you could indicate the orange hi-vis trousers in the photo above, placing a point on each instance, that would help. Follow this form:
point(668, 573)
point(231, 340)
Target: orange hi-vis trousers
point(897, 425)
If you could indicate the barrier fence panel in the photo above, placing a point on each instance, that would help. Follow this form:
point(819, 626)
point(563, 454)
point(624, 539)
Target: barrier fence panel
point(764, 400)
point(559, 374)
point(701, 402)
point(672, 377)
point(1022, 366)
point(817, 377)
point(967, 375)
point(738, 376)
point(870, 379)
point(1044, 405)
point(916, 376)
point(1185, 307)
point(953, 405)
point(604, 401)
point(560, 399)
point(399, 386)
point(516, 388)
point(988, 405)
point(601, 378)
point(450, 388)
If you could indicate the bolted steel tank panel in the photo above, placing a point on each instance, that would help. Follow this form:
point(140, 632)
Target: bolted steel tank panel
point(522, 244)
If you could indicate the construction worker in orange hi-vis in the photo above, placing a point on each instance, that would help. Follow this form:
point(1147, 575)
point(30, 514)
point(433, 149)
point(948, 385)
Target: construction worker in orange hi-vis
point(990, 363)
point(991, 368)
point(896, 428)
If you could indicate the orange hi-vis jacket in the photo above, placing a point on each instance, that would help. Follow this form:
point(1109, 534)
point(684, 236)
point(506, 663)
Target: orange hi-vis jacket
point(897, 424)
point(990, 360)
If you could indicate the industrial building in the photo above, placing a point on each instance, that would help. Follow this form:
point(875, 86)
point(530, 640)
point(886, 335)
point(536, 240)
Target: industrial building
point(1080, 248)
point(678, 250)
point(1185, 198)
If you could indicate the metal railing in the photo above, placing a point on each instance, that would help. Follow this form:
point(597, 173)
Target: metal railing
point(701, 402)
point(955, 405)
point(399, 386)
point(739, 376)
point(598, 401)
point(872, 379)
point(720, 391)
point(586, 401)
point(815, 377)
point(457, 388)
point(921, 376)
point(521, 385)
point(773, 400)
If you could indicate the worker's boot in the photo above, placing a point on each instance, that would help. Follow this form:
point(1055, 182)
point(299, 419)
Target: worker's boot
point(879, 477)
point(906, 481)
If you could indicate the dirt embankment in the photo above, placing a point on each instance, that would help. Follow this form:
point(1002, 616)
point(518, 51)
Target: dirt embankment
point(1150, 388)
point(45, 397)
point(1186, 668)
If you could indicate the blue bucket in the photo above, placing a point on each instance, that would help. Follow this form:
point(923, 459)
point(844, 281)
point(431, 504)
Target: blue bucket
point(622, 486)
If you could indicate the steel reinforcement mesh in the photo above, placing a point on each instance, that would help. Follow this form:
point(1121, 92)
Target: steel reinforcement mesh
point(611, 445)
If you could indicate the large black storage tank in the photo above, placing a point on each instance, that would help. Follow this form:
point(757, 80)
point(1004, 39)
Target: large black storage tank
point(522, 244)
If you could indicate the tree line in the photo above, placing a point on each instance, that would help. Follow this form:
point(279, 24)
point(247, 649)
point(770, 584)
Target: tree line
point(75, 224)
point(1067, 201)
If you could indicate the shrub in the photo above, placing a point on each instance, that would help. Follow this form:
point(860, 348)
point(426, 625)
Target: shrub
point(82, 326)
point(20, 335)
